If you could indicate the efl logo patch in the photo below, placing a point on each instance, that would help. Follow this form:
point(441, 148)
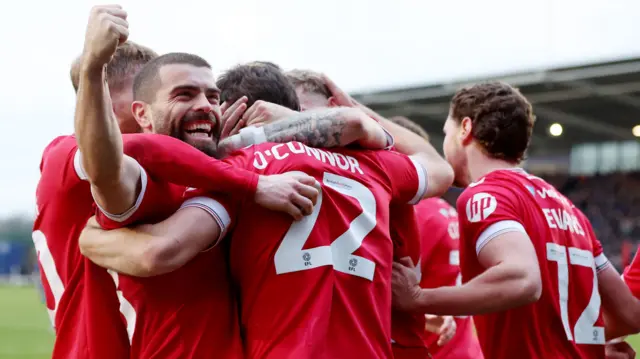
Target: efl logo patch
point(480, 206)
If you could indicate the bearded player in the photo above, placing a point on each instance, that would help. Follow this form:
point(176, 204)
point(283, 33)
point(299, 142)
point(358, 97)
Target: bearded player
point(64, 200)
point(202, 321)
point(528, 255)
point(282, 339)
point(322, 277)
point(437, 266)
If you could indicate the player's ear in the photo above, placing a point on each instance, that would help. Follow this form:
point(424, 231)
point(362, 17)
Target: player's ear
point(332, 102)
point(466, 129)
point(142, 115)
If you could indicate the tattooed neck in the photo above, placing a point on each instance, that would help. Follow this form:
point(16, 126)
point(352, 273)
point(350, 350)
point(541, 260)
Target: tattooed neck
point(319, 128)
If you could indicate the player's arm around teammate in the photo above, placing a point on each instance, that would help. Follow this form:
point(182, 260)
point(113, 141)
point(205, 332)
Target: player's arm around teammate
point(326, 127)
point(512, 279)
point(150, 250)
point(439, 172)
point(354, 125)
point(156, 249)
point(511, 275)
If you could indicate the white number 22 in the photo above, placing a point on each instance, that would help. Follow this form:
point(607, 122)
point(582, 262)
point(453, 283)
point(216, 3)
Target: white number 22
point(290, 257)
point(584, 332)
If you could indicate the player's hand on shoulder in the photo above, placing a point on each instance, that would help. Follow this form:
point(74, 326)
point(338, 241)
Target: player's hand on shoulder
point(338, 96)
point(620, 350)
point(294, 193)
point(106, 29)
point(443, 325)
point(232, 121)
point(262, 113)
point(404, 285)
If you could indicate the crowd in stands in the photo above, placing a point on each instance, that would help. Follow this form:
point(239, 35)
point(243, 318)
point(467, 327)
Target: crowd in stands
point(612, 203)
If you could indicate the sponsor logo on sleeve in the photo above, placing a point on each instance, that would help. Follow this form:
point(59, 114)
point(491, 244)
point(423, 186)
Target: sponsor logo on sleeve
point(480, 206)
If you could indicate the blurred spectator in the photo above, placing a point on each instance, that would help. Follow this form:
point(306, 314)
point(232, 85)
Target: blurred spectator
point(612, 203)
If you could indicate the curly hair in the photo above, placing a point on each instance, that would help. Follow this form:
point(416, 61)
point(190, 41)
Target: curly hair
point(502, 118)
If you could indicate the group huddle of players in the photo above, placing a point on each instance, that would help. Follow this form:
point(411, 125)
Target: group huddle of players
point(270, 215)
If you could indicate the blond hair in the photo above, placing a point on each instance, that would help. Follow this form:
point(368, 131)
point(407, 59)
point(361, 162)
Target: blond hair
point(126, 62)
point(309, 81)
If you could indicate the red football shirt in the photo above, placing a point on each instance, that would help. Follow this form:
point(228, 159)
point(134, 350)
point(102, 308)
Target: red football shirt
point(81, 296)
point(64, 204)
point(566, 322)
point(631, 275)
point(188, 313)
point(320, 287)
point(438, 267)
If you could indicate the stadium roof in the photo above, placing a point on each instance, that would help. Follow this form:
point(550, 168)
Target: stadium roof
point(593, 103)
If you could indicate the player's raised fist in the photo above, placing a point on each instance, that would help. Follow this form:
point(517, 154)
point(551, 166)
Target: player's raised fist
point(106, 29)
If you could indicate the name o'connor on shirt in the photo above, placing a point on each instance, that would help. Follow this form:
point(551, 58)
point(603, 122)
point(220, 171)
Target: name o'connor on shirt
point(282, 151)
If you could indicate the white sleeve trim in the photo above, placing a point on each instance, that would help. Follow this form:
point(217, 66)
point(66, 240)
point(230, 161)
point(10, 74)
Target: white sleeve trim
point(422, 182)
point(126, 215)
point(602, 262)
point(497, 229)
point(215, 209)
point(77, 164)
point(390, 140)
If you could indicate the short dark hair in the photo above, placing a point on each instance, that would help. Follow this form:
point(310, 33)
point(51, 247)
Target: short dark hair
point(410, 125)
point(502, 118)
point(258, 80)
point(147, 81)
point(309, 81)
point(126, 62)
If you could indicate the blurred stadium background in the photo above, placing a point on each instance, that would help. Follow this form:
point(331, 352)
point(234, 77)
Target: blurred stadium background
point(586, 142)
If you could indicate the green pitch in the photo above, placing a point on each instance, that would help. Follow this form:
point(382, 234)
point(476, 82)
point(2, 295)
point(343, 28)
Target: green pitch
point(25, 332)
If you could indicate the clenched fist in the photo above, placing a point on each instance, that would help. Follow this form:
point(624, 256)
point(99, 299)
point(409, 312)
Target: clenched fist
point(107, 28)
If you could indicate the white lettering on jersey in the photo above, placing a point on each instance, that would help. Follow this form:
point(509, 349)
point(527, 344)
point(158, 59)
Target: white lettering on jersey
point(559, 218)
point(453, 227)
point(454, 230)
point(551, 193)
point(282, 151)
point(480, 206)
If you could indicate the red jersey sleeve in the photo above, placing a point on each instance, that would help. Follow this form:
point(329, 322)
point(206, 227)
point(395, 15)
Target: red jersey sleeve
point(159, 170)
point(61, 154)
point(220, 207)
point(223, 208)
point(487, 210)
point(405, 232)
point(174, 161)
point(408, 177)
point(154, 196)
point(631, 275)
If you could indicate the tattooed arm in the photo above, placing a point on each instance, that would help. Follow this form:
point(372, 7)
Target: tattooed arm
point(327, 127)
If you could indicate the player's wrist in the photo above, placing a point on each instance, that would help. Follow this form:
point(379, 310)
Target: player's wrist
point(252, 135)
point(92, 70)
point(420, 299)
